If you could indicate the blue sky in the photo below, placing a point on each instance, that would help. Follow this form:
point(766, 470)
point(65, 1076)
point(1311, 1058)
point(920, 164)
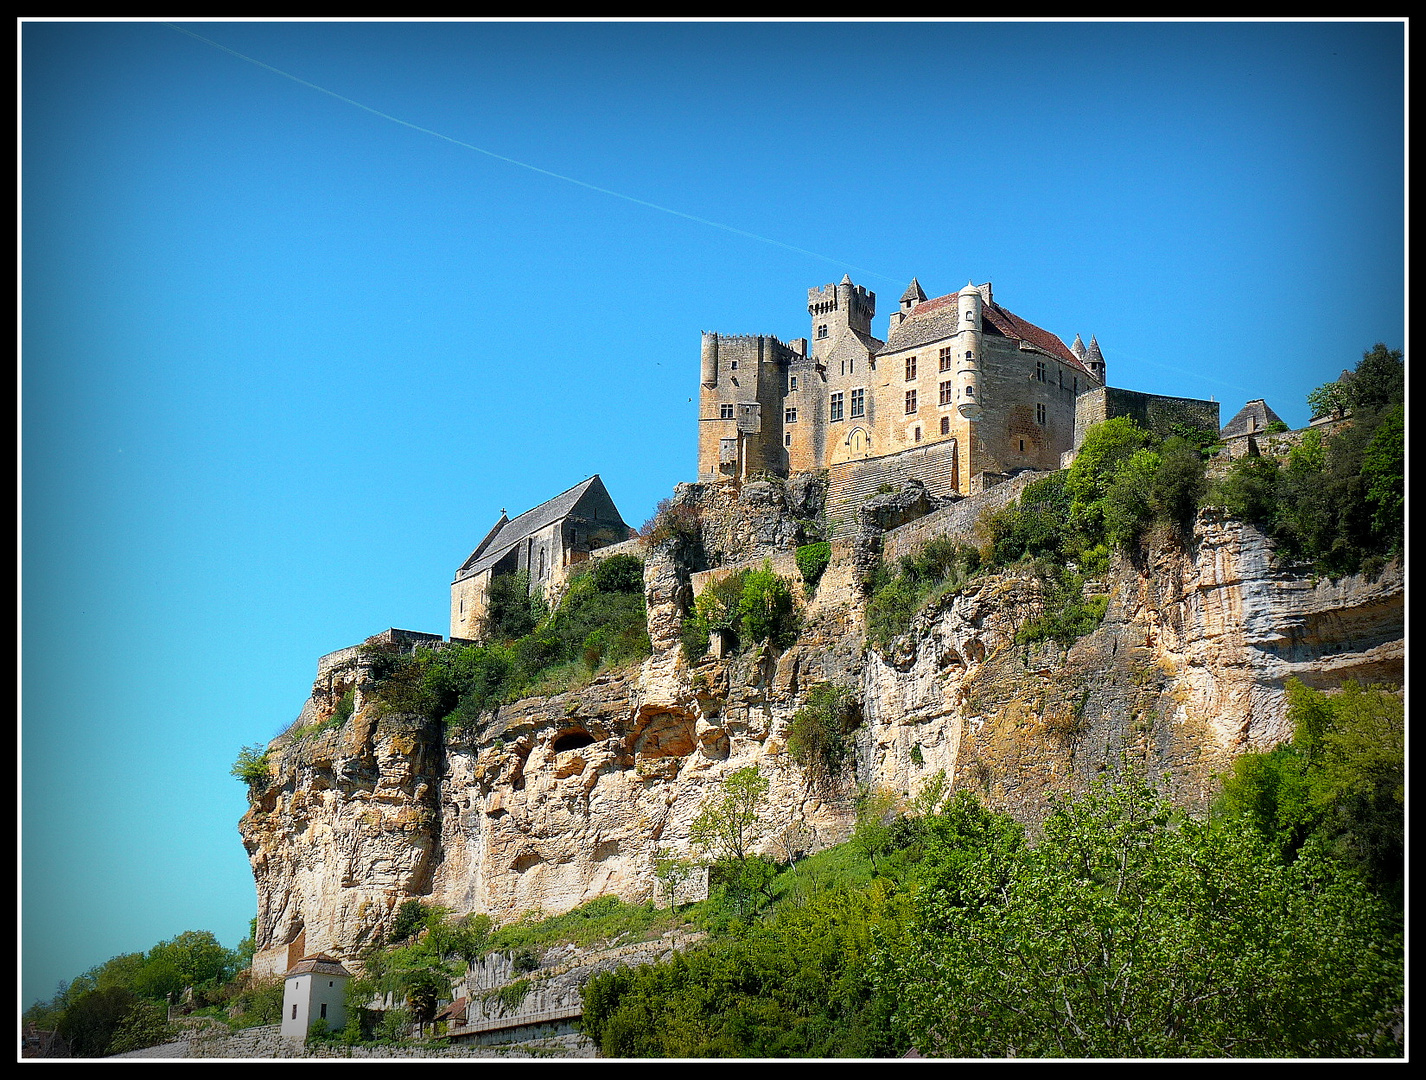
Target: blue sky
point(285, 359)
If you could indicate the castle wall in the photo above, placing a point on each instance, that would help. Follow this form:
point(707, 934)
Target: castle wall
point(957, 521)
point(1029, 402)
point(1152, 412)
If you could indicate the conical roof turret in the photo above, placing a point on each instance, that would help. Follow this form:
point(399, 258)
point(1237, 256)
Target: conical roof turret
point(1078, 347)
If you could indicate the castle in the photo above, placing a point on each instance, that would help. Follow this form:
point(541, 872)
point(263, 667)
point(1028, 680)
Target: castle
point(977, 390)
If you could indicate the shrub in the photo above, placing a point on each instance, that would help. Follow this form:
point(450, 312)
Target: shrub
point(252, 767)
point(766, 609)
point(672, 521)
point(812, 560)
point(818, 740)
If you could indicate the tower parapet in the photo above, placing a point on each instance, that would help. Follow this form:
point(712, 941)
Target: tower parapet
point(838, 308)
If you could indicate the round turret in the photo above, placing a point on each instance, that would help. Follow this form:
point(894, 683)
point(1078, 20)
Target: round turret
point(967, 347)
point(709, 360)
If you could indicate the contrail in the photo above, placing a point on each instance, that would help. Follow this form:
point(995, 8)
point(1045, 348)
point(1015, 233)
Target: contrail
point(533, 168)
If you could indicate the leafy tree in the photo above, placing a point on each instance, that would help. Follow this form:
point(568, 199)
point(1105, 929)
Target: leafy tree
point(766, 609)
point(1341, 780)
point(1129, 932)
point(728, 822)
point(512, 610)
point(727, 826)
point(253, 766)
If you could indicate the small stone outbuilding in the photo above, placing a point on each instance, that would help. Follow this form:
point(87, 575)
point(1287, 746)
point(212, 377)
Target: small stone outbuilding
point(315, 990)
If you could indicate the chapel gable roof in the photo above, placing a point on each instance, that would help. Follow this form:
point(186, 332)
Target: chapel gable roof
point(588, 500)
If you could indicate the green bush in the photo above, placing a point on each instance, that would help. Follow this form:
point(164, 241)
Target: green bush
point(812, 560)
point(754, 605)
point(253, 766)
point(939, 568)
point(819, 737)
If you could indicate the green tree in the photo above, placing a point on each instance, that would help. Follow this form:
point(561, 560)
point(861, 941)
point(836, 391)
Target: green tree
point(1127, 931)
point(726, 828)
point(766, 609)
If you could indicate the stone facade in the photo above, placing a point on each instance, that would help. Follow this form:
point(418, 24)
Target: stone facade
point(989, 392)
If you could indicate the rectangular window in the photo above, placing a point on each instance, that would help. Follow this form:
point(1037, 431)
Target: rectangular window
point(858, 402)
point(294, 1012)
point(910, 368)
point(1040, 371)
point(948, 393)
point(1039, 414)
point(836, 413)
point(945, 425)
point(822, 331)
point(789, 416)
point(734, 365)
point(910, 401)
point(946, 360)
point(787, 439)
point(791, 383)
point(324, 1010)
point(725, 412)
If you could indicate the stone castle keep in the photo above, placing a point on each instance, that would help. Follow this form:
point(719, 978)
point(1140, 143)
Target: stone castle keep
point(965, 392)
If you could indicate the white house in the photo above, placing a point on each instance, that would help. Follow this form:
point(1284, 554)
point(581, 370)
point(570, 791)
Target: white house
point(315, 990)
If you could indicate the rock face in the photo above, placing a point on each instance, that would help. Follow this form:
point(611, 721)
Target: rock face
point(564, 798)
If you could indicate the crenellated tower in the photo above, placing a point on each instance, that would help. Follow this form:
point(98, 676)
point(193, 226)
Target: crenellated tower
point(837, 309)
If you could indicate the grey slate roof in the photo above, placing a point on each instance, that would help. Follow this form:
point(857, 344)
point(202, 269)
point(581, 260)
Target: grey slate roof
point(1242, 422)
point(318, 964)
point(509, 532)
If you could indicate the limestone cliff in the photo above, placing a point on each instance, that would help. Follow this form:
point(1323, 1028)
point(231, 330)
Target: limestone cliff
point(564, 798)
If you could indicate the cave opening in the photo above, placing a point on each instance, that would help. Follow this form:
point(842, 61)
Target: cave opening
point(572, 740)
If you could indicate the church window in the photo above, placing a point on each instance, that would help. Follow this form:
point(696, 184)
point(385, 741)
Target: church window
point(789, 416)
point(947, 393)
point(1040, 371)
point(910, 401)
point(910, 368)
point(725, 412)
point(858, 402)
point(945, 425)
point(836, 413)
point(1040, 414)
point(946, 359)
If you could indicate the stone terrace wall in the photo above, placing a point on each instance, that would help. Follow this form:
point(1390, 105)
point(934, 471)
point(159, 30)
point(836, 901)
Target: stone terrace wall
point(1152, 412)
point(957, 520)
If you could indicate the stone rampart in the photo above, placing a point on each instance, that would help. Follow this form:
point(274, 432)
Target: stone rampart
point(957, 521)
point(1152, 412)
